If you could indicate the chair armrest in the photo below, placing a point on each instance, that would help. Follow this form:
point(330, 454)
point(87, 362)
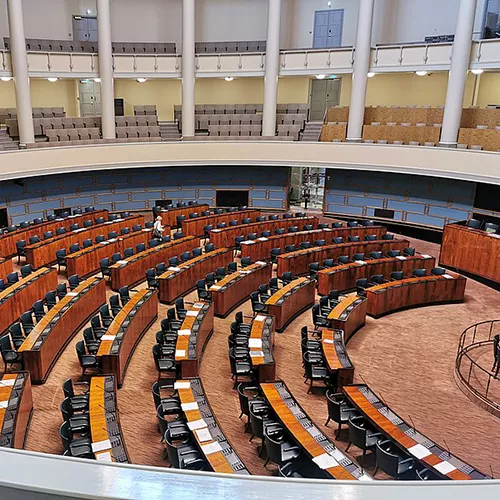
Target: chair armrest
point(407, 460)
point(375, 434)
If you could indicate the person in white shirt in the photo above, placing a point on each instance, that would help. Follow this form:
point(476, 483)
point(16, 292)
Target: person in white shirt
point(158, 228)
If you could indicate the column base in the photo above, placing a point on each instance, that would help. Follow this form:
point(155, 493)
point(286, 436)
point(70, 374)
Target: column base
point(451, 145)
point(354, 140)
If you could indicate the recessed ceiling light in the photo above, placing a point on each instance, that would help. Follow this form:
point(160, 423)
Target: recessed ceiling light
point(477, 71)
point(89, 11)
point(6, 78)
point(52, 80)
point(229, 78)
point(421, 73)
point(320, 77)
point(141, 80)
point(97, 80)
point(370, 74)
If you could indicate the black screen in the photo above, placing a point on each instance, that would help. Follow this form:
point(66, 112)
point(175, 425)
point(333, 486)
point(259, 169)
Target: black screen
point(386, 214)
point(232, 198)
point(487, 197)
point(4, 220)
point(60, 211)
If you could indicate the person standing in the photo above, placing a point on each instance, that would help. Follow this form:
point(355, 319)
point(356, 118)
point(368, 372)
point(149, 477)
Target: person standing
point(158, 228)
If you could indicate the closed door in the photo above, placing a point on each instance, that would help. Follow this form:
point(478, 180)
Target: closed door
point(328, 25)
point(84, 29)
point(324, 94)
point(90, 98)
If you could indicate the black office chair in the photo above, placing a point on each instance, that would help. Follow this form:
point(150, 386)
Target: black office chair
point(393, 461)
point(377, 279)
point(352, 223)
point(210, 247)
point(257, 306)
point(16, 335)
point(419, 273)
point(409, 251)
point(393, 253)
point(38, 310)
point(185, 256)
point(183, 456)
point(278, 231)
point(112, 235)
point(313, 270)
point(106, 317)
point(50, 299)
point(361, 285)
point(161, 267)
point(353, 239)
point(370, 237)
point(337, 240)
point(87, 243)
point(9, 355)
point(338, 410)
point(27, 322)
point(47, 235)
point(61, 290)
point(124, 294)
point(362, 435)
point(396, 275)
point(26, 270)
point(293, 229)
point(201, 289)
point(140, 247)
point(304, 245)
point(245, 262)
point(308, 227)
point(314, 371)
point(358, 256)
point(180, 308)
point(78, 423)
point(387, 236)
point(490, 227)
point(151, 278)
point(327, 263)
point(279, 449)
point(87, 361)
point(274, 254)
point(474, 223)
point(163, 365)
point(375, 255)
point(287, 277)
point(114, 303)
point(239, 368)
point(73, 248)
point(20, 250)
point(88, 223)
point(74, 281)
point(343, 259)
point(34, 239)
point(319, 243)
point(78, 448)
point(232, 267)
point(438, 271)
point(104, 265)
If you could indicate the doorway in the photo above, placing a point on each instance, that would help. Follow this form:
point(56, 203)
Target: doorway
point(90, 98)
point(328, 27)
point(85, 28)
point(324, 95)
point(230, 198)
point(4, 217)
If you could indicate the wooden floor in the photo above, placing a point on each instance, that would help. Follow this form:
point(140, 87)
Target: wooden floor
point(406, 357)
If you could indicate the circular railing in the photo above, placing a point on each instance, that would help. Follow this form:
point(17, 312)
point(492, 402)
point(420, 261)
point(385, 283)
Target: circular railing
point(477, 378)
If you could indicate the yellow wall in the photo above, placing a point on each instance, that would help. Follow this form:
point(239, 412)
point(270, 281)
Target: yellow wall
point(163, 93)
point(239, 91)
point(45, 94)
point(7, 95)
point(489, 89)
point(345, 90)
point(294, 90)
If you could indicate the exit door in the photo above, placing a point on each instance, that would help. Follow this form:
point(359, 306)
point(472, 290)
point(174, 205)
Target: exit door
point(328, 26)
point(84, 29)
point(324, 95)
point(90, 98)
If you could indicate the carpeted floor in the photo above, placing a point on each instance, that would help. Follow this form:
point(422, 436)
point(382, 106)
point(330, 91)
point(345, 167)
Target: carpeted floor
point(406, 357)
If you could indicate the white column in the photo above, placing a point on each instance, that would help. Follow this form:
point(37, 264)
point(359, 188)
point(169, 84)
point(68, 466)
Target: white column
point(458, 73)
point(188, 67)
point(106, 69)
point(272, 68)
point(361, 68)
point(20, 72)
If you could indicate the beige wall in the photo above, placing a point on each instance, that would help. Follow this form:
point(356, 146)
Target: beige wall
point(164, 93)
point(239, 91)
point(60, 93)
point(7, 95)
point(294, 90)
point(489, 89)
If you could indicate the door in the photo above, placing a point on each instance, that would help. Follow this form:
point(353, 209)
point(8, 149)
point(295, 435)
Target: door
point(84, 29)
point(92, 29)
point(328, 25)
point(90, 98)
point(324, 95)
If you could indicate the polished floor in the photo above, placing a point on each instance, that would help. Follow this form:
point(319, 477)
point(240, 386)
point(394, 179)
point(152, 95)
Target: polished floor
point(406, 357)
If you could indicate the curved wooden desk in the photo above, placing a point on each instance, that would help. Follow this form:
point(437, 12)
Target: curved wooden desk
point(169, 217)
point(20, 296)
point(471, 250)
point(313, 442)
point(87, 261)
point(225, 237)
point(235, 288)
point(412, 292)
point(343, 277)
point(206, 431)
point(196, 226)
point(289, 301)
point(8, 240)
point(298, 262)
point(130, 271)
point(125, 332)
point(192, 338)
point(5, 268)
point(431, 455)
point(16, 406)
point(44, 252)
point(107, 438)
point(43, 346)
point(261, 344)
point(177, 281)
point(349, 315)
point(337, 359)
point(260, 249)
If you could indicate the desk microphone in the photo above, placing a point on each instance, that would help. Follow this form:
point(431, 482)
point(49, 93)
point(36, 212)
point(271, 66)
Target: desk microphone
point(363, 379)
point(383, 400)
point(412, 422)
point(491, 470)
point(447, 448)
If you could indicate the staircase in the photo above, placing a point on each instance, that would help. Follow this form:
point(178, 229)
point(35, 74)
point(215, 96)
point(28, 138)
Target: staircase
point(6, 143)
point(169, 131)
point(312, 132)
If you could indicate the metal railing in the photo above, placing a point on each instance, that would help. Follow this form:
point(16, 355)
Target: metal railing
point(476, 378)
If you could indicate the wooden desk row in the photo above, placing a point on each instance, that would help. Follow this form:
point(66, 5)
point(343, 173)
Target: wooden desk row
point(16, 406)
point(6, 267)
point(236, 287)
point(225, 237)
point(261, 344)
point(343, 277)
point(207, 433)
point(196, 226)
point(411, 292)
point(298, 262)
point(87, 261)
point(289, 301)
point(132, 270)
point(192, 338)
point(20, 296)
point(43, 346)
point(107, 438)
point(169, 217)
point(44, 252)
point(125, 332)
point(260, 249)
point(337, 359)
point(349, 315)
point(314, 444)
point(411, 441)
point(8, 240)
point(176, 281)
point(471, 250)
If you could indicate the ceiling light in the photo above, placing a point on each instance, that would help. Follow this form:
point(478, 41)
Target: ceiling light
point(89, 11)
point(320, 77)
point(6, 78)
point(97, 80)
point(477, 71)
point(229, 78)
point(141, 80)
point(421, 73)
point(370, 74)
point(52, 80)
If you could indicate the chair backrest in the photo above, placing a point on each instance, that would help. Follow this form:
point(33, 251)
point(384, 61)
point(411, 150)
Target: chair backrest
point(474, 223)
point(419, 273)
point(387, 457)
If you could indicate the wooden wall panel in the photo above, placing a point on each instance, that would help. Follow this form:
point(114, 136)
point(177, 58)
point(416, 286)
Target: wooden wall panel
point(331, 131)
point(399, 133)
point(489, 139)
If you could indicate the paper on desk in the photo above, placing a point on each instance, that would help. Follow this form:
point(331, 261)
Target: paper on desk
point(189, 406)
point(325, 461)
point(337, 455)
point(447, 276)
point(196, 424)
point(260, 263)
point(113, 240)
point(419, 451)
point(108, 337)
point(248, 242)
point(360, 262)
point(101, 446)
point(72, 294)
point(180, 353)
point(146, 230)
point(182, 385)
point(174, 269)
point(255, 343)
point(260, 317)
point(184, 332)
point(215, 230)
point(192, 313)
point(327, 341)
point(401, 257)
point(4, 404)
point(105, 242)
point(425, 256)
point(215, 288)
point(104, 457)
point(262, 239)
point(122, 262)
point(208, 449)
point(198, 305)
point(444, 467)
point(203, 435)
point(9, 382)
point(256, 354)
